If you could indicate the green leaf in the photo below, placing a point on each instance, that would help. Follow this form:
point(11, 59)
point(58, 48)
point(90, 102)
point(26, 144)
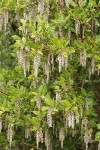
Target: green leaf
point(24, 40)
point(66, 103)
point(49, 101)
point(16, 37)
point(23, 22)
point(45, 108)
point(83, 91)
point(36, 113)
point(97, 136)
point(42, 90)
point(21, 28)
point(98, 126)
point(40, 52)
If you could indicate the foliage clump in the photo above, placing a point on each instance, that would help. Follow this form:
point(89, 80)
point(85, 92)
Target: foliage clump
point(49, 53)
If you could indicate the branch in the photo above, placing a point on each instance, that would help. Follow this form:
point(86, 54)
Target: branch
point(31, 145)
point(74, 144)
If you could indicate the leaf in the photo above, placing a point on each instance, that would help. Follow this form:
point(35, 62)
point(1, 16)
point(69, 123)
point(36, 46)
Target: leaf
point(16, 37)
point(45, 108)
point(40, 52)
point(23, 22)
point(34, 93)
point(73, 3)
point(30, 77)
point(21, 28)
point(83, 91)
point(49, 101)
point(42, 90)
point(98, 126)
point(55, 109)
point(65, 103)
point(75, 108)
point(97, 136)
point(1, 112)
point(36, 112)
point(24, 40)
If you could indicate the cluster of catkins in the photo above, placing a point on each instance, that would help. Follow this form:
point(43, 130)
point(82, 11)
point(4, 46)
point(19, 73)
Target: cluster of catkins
point(83, 61)
point(88, 132)
point(39, 137)
point(63, 61)
point(45, 139)
point(71, 118)
point(43, 8)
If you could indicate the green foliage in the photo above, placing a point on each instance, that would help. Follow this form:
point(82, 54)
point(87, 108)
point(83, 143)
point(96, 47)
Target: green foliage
point(49, 51)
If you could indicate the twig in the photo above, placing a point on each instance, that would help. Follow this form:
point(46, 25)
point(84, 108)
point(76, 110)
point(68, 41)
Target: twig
point(74, 144)
point(31, 145)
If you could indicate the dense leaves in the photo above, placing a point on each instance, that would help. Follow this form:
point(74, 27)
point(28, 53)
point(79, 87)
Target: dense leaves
point(49, 52)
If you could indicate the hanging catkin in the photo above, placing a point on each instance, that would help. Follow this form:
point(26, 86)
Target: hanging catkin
point(10, 133)
point(61, 61)
point(36, 65)
point(22, 60)
point(47, 10)
point(41, 7)
point(67, 2)
point(18, 106)
point(49, 117)
point(90, 73)
point(38, 103)
point(77, 119)
point(27, 132)
point(83, 59)
point(87, 104)
point(58, 96)
point(47, 140)
point(0, 123)
point(71, 119)
point(69, 35)
point(47, 72)
point(85, 123)
point(80, 3)
point(52, 61)
point(93, 63)
point(5, 19)
point(99, 146)
point(61, 136)
point(66, 62)
point(77, 26)
point(39, 137)
point(87, 137)
point(1, 22)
